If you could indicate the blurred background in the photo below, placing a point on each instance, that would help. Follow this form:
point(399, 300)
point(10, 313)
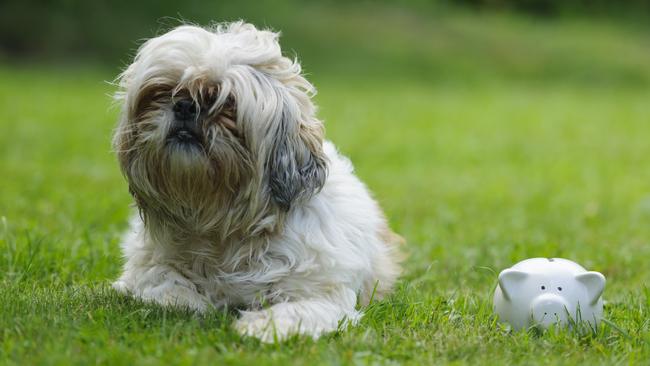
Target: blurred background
point(422, 40)
point(490, 130)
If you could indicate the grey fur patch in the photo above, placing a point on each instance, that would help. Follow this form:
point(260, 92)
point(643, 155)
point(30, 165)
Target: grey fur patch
point(296, 169)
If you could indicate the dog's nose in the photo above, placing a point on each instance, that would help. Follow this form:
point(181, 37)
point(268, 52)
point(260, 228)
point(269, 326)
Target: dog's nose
point(185, 110)
point(186, 126)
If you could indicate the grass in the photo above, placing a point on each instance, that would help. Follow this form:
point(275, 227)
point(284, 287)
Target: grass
point(491, 156)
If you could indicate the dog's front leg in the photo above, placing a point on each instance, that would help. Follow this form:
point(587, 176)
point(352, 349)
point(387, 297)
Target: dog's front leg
point(312, 317)
point(163, 285)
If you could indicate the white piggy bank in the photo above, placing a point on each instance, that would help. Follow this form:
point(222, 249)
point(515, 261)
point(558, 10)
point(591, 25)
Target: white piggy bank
point(545, 291)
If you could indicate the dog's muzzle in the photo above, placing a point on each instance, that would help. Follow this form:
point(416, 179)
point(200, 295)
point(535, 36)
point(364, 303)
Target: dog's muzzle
point(186, 127)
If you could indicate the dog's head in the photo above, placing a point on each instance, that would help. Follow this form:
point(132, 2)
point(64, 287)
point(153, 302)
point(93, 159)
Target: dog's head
point(218, 130)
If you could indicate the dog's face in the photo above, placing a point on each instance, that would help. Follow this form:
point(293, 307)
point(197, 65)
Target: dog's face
point(218, 131)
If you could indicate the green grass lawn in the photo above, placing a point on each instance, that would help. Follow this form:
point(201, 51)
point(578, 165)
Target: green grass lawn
point(490, 157)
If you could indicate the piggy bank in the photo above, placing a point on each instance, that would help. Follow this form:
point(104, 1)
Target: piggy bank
point(545, 291)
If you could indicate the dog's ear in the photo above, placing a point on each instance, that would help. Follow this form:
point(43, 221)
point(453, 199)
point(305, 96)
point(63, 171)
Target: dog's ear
point(297, 165)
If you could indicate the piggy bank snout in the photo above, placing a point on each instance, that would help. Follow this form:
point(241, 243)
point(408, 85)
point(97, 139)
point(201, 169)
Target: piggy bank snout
point(549, 309)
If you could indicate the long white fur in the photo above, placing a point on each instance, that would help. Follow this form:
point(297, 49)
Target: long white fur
point(327, 253)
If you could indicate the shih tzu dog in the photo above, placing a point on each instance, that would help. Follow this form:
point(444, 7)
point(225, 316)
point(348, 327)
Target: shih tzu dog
point(241, 201)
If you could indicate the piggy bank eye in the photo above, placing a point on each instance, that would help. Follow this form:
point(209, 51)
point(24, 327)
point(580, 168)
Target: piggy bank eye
point(543, 287)
point(559, 288)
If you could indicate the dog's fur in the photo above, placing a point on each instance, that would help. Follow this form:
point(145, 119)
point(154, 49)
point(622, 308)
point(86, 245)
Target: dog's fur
point(258, 211)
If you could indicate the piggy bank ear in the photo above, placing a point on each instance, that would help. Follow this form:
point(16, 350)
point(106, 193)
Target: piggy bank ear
point(595, 284)
point(509, 280)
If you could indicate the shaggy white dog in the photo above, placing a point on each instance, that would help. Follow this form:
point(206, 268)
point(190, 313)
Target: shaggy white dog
point(241, 201)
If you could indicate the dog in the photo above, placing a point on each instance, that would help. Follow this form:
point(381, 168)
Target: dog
point(241, 201)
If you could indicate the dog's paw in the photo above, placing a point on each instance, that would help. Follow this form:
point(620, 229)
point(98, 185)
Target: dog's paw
point(121, 287)
point(268, 328)
point(176, 296)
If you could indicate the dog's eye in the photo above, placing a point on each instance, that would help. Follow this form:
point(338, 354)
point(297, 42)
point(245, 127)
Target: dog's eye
point(185, 109)
point(230, 103)
point(228, 108)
